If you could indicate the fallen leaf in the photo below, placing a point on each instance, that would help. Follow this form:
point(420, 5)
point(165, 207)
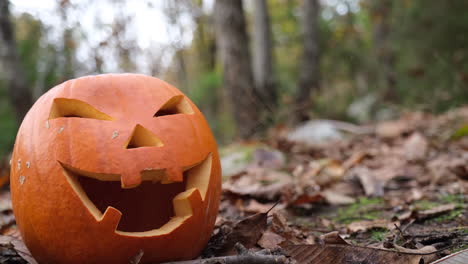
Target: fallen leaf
point(5, 202)
point(280, 226)
point(455, 258)
point(260, 183)
point(391, 129)
point(404, 216)
point(423, 250)
point(323, 172)
point(415, 147)
point(436, 211)
point(268, 158)
point(270, 240)
point(248, 232)
point(13, 238)
point(355, 159)
point(333, 238)
point(336, 198)
point(369, 182)
point(137, 258)
point(459, 166)
point(306, 198)
point(255, 207)
point(461, 171)
point(344, 254)
point(362, 226)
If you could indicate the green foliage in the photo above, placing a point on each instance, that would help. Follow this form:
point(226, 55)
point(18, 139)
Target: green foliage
point(205, 93)
point(8, 125)
point(39, 57)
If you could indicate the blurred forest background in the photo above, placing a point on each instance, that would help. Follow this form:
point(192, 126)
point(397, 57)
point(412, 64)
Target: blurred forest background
point(249, 65)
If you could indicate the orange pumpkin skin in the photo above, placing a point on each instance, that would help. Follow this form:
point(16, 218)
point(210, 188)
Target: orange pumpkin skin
point(61, 162)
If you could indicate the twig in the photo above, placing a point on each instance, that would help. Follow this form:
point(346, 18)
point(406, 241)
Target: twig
point(273, 206)
point(251, 258)
point(245, 256)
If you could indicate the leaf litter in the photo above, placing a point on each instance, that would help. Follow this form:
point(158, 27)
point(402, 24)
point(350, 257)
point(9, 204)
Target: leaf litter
point(394, 194)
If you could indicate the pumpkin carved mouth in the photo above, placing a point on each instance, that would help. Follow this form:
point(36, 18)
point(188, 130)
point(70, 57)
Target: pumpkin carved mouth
point(156, 206)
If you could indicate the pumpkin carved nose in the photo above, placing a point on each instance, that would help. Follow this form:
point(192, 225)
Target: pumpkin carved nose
point(142, 137)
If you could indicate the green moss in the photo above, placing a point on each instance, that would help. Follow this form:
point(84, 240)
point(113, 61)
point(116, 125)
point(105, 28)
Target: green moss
point(378, 234)
point(363, 209)
point(457, 199)
point(459, 247)
point(449, 216)
point(425, 204)
point(461, 132)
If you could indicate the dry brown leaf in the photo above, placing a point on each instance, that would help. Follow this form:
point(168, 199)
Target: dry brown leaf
point(405, 216)
point(332, 171)
point(391, 129)
point(322, 172)
point(5, 202)
point(5, 170)
point(137, 257)
point(370, 183)
point(333, 238)
point(280, 226)
point(306, 198)
point(336, 198)
point(424, 251)
point(436, 211)
point(13, 238)
point(270, 240)
point(355, 159)
point(362, 226)
point(343, 254)
point(247, 232)
point(415, 147)
point(259, 182)
point(268, 158)
point(255, 207)
point(455, 258)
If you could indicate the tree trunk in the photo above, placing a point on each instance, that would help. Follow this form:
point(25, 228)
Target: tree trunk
point(13, 73)
point(380, 12)
point(309, 73)
point(232, 41)
point(263, 55)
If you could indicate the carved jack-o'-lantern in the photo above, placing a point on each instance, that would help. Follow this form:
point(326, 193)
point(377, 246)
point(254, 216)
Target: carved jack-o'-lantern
point(109, 166)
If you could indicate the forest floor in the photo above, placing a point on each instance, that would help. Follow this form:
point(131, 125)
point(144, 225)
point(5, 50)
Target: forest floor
point(391, 192)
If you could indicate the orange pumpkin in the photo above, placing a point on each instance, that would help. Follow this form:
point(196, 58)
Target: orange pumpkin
point(105, 167)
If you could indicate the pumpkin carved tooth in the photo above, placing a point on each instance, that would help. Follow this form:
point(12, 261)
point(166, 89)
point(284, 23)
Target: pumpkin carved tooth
point(111, 218)
point(130, 180)
point(174, 174)
point(99, 192)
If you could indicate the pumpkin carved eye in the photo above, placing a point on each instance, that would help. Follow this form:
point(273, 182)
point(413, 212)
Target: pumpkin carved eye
point(176, 105)
point(63, 107)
